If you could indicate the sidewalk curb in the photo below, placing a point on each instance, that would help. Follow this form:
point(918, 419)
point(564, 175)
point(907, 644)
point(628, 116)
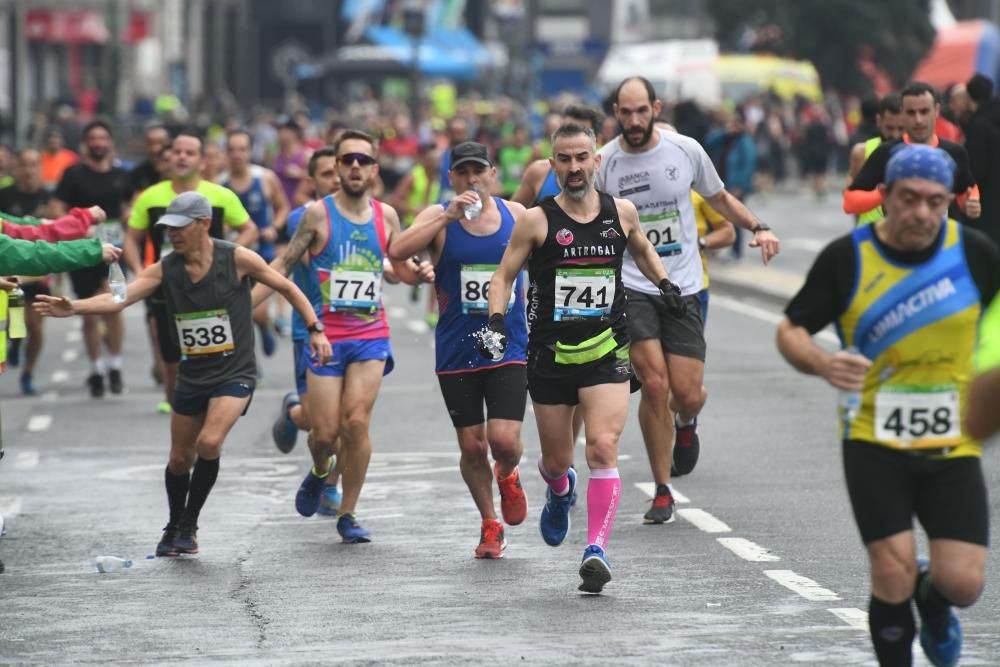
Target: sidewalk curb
point(775, 286)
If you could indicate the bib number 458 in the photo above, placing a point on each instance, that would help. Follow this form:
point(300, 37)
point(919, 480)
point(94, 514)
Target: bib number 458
point(918, 422)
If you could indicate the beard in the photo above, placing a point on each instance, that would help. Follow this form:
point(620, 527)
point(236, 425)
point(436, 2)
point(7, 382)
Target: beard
point(577, 191)
point(647, 132)
point(351, 190)
point(97, 154)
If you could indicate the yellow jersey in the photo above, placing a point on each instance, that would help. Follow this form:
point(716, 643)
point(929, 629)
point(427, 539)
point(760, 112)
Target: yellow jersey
point(707, 219)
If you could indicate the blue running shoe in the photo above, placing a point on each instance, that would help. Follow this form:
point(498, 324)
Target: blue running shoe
point(330, 504)
point(555, 514)
point(284, 432)
point(267, 340)
point(942, 642)
point(594, 570)
point(350, 531)
point(310, 494)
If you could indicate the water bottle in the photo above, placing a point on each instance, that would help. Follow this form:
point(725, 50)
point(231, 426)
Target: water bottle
point(473, 211)
point(15, 316)
point(107, 564)
point(849, 402)
point(116, 281)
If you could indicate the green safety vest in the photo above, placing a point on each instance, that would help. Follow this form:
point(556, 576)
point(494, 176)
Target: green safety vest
point(513, 162)
point(876, 213)
point(422, 194)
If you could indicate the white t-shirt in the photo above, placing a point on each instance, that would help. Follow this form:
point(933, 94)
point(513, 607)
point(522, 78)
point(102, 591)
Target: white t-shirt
point(659, 182)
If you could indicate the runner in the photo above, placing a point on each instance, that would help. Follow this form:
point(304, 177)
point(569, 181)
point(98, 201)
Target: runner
point(96, 181)
point(262, 196)
point(577, 347)
point(146, 173)
point(906, 294)
point(513, 159)
point(656, 170)
point(983, 419)
point(465, 253)
point(213, 328)
point(146, 243)
point(889, 120)
point(290, 167)
point(346, 235)
point(714, 233)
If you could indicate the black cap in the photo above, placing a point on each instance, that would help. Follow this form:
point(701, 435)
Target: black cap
point(470, 151)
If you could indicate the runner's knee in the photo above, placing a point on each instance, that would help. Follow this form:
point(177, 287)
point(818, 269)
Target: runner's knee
point(602, 450)
point(893, 578)
point(655, 390)
point(961, 584)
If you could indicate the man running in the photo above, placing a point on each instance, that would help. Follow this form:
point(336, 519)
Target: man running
point(889, 121)
point(146, 244)
point(657, 170)
point(213, 328)
point(983, 419)
point(465, 250)
point(95, 181)
point(346, 235)
point(574, 245)
point(263, 197)
point(906, 294)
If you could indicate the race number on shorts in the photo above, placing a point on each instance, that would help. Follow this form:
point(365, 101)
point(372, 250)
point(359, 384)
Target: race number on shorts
point(205, 332)
point(583, 293)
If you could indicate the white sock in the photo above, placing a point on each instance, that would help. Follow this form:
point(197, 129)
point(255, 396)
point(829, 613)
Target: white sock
point(115, 362)
point(98, 366)
point(678, 422)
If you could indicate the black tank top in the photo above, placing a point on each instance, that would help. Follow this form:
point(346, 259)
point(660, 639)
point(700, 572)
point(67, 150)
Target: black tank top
point(576, 289)
point(212, 321)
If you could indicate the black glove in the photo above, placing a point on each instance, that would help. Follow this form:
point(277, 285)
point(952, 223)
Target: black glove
point(495, 325)
point(672, 299)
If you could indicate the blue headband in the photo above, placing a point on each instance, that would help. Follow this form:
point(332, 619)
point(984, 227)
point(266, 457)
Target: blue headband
point(920, 161)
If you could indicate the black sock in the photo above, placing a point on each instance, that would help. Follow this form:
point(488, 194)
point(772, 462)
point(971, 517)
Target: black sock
point(892, 629)
point(662, 489)
point(933, 606)
point(202, 481)
point(177, 492)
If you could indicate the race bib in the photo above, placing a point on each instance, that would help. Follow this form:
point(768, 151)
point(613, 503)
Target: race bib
point(206, 332)
point(583, 293)
point(476, 287)
point(918, 415)
point(664, 231)
point(355, 290)
point(111, 231)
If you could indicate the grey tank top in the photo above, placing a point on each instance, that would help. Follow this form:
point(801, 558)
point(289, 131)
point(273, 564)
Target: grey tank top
point(212, 321)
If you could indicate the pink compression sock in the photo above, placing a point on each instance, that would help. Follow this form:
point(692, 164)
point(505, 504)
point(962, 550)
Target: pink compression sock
point(559, 485)
point(603, 492)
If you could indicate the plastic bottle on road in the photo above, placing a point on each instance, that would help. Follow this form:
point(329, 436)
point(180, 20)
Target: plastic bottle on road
point(116, 281)
point(112, 564)
point(473, 211)
point(849, 402)
point(15, 304)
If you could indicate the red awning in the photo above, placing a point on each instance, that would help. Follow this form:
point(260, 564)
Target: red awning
point(80, 26)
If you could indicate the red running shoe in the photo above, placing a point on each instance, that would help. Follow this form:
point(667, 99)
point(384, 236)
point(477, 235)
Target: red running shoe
point(513, 502)
point(491, 541)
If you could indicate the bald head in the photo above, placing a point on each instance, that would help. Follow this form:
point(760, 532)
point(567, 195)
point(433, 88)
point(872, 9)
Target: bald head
point(636, 109)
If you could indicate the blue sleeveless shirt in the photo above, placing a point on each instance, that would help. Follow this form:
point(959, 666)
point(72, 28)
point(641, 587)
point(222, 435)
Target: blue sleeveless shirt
point(550, 187)
point(462, 273)
point(305, 279)
point(257, 205)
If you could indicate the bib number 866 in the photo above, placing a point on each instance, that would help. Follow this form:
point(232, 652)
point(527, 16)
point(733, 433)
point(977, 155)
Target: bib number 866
point(918, 422)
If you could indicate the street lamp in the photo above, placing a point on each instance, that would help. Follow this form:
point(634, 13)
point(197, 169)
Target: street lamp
point(414, 19)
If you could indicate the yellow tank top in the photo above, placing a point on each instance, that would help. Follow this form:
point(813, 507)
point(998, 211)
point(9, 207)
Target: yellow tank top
point(918, 326)
point(422, 194)
point(876, 213)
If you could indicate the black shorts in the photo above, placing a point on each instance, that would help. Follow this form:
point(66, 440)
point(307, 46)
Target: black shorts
point(648, 318)
point(888, 487)
point(169, 350)
point(550, 383)
point(502, 388)
point(32, 290)
point(192, 403)
point(88, 282)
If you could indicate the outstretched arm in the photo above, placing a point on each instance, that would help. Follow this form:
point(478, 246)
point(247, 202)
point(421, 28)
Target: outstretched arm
point(144, 285)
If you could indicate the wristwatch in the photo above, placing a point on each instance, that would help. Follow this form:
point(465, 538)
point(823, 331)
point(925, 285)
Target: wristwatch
point(760, 227)
point(702, 243)
point(316, 327)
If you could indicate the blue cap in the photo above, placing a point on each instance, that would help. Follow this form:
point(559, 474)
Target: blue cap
point(920, 161)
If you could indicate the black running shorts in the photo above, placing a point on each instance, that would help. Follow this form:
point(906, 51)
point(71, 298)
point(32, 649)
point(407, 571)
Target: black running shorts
point(550, 383)
point(89, 281)
point(191, 403)
point(648, 318)
point(502, 389)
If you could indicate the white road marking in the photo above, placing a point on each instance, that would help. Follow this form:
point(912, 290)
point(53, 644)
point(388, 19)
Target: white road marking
point(60, 376)
point(50, 396)
point(703, 520)
point(39, 423)
point(10, 505)
point(25, 460)
point(397, 312)
point(649, 488)
point(765, 315)
point(417, 326)
point(804, 586)
point(74, 336)
point(748, 550)
point(852, 616)
point(70, 355)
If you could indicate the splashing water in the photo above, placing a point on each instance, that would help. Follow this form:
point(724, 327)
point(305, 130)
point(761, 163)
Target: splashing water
point(492, 341)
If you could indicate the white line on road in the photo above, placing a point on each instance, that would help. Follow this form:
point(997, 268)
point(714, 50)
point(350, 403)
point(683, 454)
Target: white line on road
point(10, 505)
point(25, 460)
point(649, 488)
point(852, 616)
point(39, 423)
point(748, 550)
point(74, 336)
point(764, 315)
point(417, 327)
point(703, 520)
point(804, 586)
point(397, 312)
point(60, 376)
point(809, 245)
point(70, 355)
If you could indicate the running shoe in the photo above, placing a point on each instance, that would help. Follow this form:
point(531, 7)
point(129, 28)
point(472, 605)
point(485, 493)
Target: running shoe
point(594, 570)
point(267, 340)
point(115, 381)
point(163, 407)
point(513, 502)
point(491, 540)
point(555, 514)
point(350, 531)
point(186, 541)
point(686, 448)
point(283, 431)
point(662, 510)
point(330, 505)
point(941, 641)
point(27, 386)
point(166, 545)
point(96, 384)
point(310, 494)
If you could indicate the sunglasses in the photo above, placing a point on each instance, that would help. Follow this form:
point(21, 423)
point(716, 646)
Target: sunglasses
point(348, 159)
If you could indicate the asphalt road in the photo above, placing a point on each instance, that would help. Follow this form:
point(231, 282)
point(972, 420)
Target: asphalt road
point(763, 567)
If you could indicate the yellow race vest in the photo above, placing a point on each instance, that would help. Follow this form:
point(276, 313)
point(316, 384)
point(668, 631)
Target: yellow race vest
point(422, 194)
point(876, 213)
point(918, 326)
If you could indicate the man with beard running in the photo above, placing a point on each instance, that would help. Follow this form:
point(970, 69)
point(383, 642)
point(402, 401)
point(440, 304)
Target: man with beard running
point(656, 171)
point(578, 343)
